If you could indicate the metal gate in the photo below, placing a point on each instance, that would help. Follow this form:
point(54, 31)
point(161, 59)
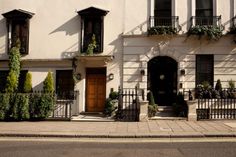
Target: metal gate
point(128, 107)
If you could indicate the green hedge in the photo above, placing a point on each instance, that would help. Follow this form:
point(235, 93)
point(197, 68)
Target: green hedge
point(21, 106)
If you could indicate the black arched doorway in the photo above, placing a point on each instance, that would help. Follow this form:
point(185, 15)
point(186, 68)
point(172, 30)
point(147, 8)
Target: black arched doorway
point(162, 79)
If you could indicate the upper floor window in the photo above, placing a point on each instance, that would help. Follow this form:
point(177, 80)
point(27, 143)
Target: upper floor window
point(204, 12)
point(162, 13)
point(18, 28)
point(92, 27)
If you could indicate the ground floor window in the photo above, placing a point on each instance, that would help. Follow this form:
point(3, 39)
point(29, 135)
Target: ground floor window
point(204, 69)
point(64, 83)
point(3, 80)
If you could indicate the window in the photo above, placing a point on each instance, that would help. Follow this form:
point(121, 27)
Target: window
point(92, 25)
point(204, 69)
point(3, 80)
point(162, 13)
point(204, 12)
point(18, 28)
point(64, 83)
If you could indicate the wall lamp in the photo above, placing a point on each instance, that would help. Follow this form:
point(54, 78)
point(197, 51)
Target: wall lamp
point(78, 76)
point(111, 76)
point(182, 72)
point(142, 72)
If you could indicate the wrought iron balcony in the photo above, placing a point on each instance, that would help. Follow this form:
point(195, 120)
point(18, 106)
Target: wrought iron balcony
point(163, 25)
point(206, 20)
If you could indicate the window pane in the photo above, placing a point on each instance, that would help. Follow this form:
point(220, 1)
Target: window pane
point(204, 71)
point(20, 31)
point(3, 79)
point(92, 26)
point(162, 8)
point(204, 8)
point(64, 83)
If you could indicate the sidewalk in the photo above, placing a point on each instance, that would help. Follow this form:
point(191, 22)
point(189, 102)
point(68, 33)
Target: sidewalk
point(150, 129)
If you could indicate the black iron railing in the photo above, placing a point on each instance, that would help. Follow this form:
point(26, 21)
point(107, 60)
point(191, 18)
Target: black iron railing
point(63, 106)
point(206, 20)
point(216, 109)
point(172, 21)
point(128, 108)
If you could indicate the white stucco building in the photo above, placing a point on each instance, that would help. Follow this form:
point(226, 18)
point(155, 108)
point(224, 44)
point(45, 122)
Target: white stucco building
point(55, 35)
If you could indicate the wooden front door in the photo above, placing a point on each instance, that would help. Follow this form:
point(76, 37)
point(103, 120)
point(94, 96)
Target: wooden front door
point(95, 90)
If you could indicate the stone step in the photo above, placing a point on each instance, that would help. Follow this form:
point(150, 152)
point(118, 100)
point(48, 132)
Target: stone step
point(165, 108)
point(92, 118)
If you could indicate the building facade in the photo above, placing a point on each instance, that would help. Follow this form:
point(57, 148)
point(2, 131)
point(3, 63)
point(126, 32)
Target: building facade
point(142, 43)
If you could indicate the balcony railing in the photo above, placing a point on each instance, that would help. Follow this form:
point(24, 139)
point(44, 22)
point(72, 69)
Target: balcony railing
point(172, 21)
point(163, 25)
point(206, 20)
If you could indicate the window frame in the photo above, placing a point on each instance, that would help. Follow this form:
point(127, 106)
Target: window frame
point(18, 16)
point(210, 58)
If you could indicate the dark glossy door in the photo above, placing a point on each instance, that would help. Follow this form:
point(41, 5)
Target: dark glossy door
point(162, 79)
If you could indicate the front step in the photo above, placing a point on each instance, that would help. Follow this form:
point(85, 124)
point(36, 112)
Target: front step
point(166, 113)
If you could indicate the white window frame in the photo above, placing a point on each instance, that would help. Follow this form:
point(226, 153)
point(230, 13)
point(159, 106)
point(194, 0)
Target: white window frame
point(193, 7)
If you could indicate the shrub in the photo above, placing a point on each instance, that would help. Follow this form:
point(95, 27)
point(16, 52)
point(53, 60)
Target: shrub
point(48, 84)
point(41, 105)
point(4, 105)
point(218, 86)
point(150, 98)
point(231, 84)
point(152, 110)
point(12, 82)
point(14, 68)
point(212, 32)
point(152, 107)
point(162, 30)
point(180, 106)
point(114, 95)
point(23, 106)
point(92, 46)
point(28, 83)
point(111, 103)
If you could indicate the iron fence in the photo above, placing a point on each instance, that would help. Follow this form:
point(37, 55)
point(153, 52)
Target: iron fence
point(216, 109)
point(128, 107)
point(63, 105)
point(172, 21)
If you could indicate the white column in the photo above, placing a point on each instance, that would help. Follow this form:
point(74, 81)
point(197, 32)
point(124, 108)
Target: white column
point(152, 7)
point(215, 8)
point(173, 8)
point(234, 11)
point(193, 7)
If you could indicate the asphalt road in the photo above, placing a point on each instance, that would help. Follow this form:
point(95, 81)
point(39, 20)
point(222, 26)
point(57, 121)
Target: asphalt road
point(70, 148)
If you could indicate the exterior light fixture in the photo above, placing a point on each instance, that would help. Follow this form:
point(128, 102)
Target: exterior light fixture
point(111, 76)
point(142, 72)
point(182, 72)
point(78, 76)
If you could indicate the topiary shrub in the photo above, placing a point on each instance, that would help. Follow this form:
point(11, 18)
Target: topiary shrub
point(180, 106)
point(23, 106)
point(28, 83)
point(48, 83)
point(231, 84)
point(12, 82)
point(152, 110)
point(111, 103)
point(152, 107)
point(41, 105)
point(14, 68)
point(4, 105)
point(218, 86)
